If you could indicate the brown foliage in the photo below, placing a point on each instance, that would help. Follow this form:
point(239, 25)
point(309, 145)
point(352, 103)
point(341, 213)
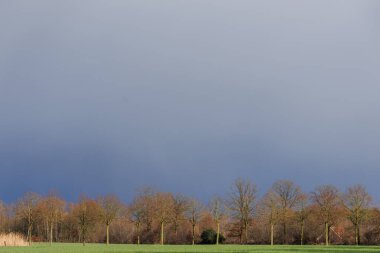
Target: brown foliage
point(87, 213)
point(153, 217)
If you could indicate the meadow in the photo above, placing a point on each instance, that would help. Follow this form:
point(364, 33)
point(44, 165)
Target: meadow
point(100, 248)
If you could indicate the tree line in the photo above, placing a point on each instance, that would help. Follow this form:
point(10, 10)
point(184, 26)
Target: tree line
point(283, 215)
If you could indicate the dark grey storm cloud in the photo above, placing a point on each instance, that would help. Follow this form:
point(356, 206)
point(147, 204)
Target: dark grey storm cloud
point(186, 96)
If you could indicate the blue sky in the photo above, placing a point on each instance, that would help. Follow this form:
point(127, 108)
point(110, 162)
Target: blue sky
point(186, 96)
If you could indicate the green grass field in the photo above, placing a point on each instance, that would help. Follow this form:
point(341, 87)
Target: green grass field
point(97, 248)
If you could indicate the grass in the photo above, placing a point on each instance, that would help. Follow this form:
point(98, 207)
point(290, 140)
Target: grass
point(99, 248)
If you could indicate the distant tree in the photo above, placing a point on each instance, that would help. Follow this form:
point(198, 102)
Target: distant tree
point(357, 201)
point(288, 196)
point(52, 208)
point(271, 209)
point(217, 212)
point(327, 199)
point(371, 233)
point(87, 213)
point(283, 215)
point(69, 229)
point(193, 214)
point(146, 202)
point(110, 207)
point(179, 207)
point(3, 215)
point(144, 205)
point(302, 212)
point(164, 211)
point(27, 210)
point(136, 216)
point(241, 203)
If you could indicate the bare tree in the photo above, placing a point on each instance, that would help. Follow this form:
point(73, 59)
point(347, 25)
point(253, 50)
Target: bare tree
point(242, 204)
point(325, 215)
point(53, 208)
point(179, 208)
point(193, 214)
point(143, 212)
point(302, 212)
point(136, 215)
point(288, 195)
point(327, 199)
point(357, 201)
point(145, 199)
point(87, 214)
point(217, 212)
point(164, 211)
point(110, 206)
point(27, 210)
point(271, 209)
point(3, 215)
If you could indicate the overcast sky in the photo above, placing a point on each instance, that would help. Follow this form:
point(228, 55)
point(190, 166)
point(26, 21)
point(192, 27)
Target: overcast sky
point(186, 96)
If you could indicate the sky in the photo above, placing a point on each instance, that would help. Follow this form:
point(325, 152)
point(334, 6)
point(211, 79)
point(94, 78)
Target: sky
point(104, 97)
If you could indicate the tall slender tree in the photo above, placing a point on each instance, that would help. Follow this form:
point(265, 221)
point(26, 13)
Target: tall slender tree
point(136, 216)
point(180, 203)
point(217, 212)
point(271, 210)
point(53, 207)
point(327, 199)
point(288, 196)
point(110, 207)
point(3, 216)
point(164, 211)
point(193, 213)
point(357, 201)
point(27, 210)
point(146, 202)
point(87, 213)
point(241, 203)
point(302, 212)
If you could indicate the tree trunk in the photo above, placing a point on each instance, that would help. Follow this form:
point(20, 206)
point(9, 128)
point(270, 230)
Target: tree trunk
point(162, 233)
point(246, 233)
point(30, 234)
point(302, 231)
point(56, 231)
point(217, 233)
point(83, 238)
point(241, 235)
point(108, 234)
point(138, 234)
point(285, 235)
point(47, 231)
point(327, 233)
point(30, 228)
point(356, 234)
point(271, 234)
point(176, 229)
point(148, 226)
point(193, 234)
point(51, 233)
